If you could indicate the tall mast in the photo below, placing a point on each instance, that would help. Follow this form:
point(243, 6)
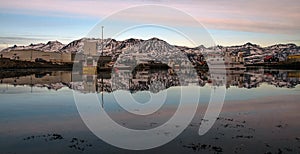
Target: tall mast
point(102, 27)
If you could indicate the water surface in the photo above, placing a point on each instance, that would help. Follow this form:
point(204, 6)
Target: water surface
point(260, 114)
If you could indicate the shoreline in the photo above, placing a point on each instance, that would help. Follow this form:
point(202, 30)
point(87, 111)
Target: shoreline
point(9, 64)
point(6, 64)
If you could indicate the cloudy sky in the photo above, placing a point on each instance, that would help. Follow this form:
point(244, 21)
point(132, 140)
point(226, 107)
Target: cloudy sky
point(231, 22)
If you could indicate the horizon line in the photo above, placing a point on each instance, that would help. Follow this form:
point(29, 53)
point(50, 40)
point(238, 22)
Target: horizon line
point(246, 42)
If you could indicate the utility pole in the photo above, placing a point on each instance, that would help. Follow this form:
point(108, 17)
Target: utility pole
point(102, 40)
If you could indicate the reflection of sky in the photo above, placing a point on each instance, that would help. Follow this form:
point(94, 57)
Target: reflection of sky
point(234, 93)
point(24, 101)
point(17, 94)
point(234, 22)
point(19, 102)
point(48, 111)
point(41, 100)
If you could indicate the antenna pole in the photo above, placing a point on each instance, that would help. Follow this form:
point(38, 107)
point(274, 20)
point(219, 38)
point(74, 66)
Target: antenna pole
point(102, 40)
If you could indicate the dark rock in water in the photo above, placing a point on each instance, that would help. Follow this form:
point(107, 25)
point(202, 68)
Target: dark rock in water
point(221, 134)
point(226, 125)
point(203, 146)
point(252, 129)
point(46, 138)
point(56, 137)
point(279, 151)
point(240, 125)
point(71, 146)
point(89, 145)
point(27, 138)
point(217, 149)
point(79, 144)
point(281, 126)
point(198, 147)
point(267, 145)
point(288, 149)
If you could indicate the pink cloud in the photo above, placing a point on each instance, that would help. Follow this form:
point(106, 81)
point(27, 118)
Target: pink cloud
point(255, 16)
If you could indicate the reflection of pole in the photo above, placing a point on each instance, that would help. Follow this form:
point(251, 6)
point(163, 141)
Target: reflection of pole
point(102, 85)
point(102, 103)
point(101, 66)
point(31, 83)
point(102, 57)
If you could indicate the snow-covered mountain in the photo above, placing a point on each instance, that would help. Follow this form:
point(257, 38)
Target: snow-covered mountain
point(73, 47)
point(253, 51)
point(51, 46)
point(114, 48)
point(248, 49)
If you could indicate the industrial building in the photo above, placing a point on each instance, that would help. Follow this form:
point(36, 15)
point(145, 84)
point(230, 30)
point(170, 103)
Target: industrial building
point(33, 55)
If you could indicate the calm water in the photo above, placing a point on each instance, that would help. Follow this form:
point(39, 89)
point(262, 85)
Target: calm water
point(38, 113)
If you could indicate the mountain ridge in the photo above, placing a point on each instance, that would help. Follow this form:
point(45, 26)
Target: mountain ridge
point(113, 46)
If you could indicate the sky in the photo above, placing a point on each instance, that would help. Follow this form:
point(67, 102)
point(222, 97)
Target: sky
point(231, 22)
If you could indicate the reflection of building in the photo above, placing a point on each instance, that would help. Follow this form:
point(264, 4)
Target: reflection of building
point(293, 58)
point(235, 78)
point(89, 66)
point(218, 78)
point(293, 75)
point(89, 83)
point(32, 55)
point(154, 80)
point(40, 78)
point(121, 79)
point(141, 76)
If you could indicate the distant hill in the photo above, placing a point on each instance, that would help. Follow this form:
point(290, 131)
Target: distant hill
point(51, 46)
point(113, 47)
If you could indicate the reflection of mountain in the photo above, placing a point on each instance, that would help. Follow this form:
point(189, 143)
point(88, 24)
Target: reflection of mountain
point(154, 80)
point(278, 78)
point(50, 79)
